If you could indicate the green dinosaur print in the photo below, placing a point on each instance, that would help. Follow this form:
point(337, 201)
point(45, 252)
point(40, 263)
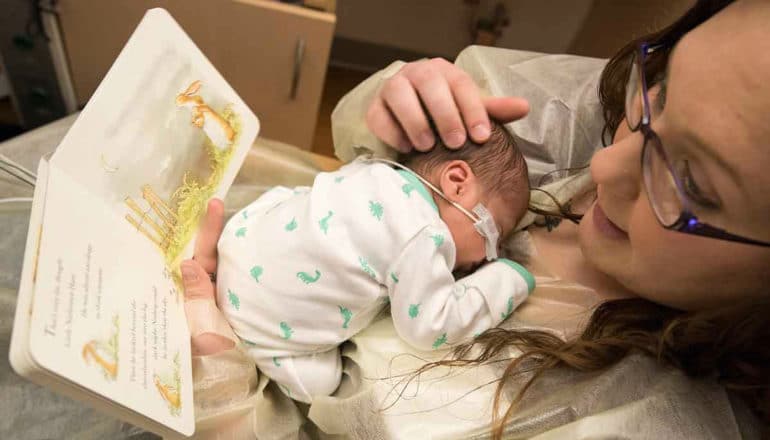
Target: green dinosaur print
point(292, 225)
point(241, 232)
point(393, 277)
point(438, 239)
point(414, 310)
point(256, 272)
point(285, 389)
point(346, 315)
point(275, 362)
point(249, 343)
point(366, 268)
point(339, 179)
point(324, 222)
point(508, 312)
point(245, 215)
point(234, 300)
point(286, 330)
point(407, 189)
point(307, 278)
point(441, 340)
point(375, 208)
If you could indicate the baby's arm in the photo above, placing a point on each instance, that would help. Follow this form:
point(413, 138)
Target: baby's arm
point(431, 309)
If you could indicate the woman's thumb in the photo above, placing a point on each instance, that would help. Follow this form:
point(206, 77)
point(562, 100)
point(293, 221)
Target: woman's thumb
point(197, 284)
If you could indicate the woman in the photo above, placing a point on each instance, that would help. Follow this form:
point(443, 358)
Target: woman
point(677, 249)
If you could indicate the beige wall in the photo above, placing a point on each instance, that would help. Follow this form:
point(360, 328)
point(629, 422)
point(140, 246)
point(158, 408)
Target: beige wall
point(441, 27)
point(438, 27)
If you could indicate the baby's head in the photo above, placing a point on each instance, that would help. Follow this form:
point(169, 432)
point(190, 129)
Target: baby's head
point(493, 173)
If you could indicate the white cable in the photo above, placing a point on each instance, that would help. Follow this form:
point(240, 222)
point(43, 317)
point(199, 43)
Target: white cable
point(15, 165)
point(17, 171)
point(16, 200)
point(473, 217)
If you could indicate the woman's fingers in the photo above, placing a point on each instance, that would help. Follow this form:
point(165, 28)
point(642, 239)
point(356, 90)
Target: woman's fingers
point(506, 109)
point(204, 320)
point(471, 106)
point(208, 236)
point(401, 99)
point(197, 284)
point(434, 89)
point(441, 91)
point(382, 123)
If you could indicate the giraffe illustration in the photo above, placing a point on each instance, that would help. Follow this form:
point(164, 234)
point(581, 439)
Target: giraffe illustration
point(509, 310)
point(366, 268)
point(346, 315)
point(256, 272)
point(375, 208)
point(441, 340)
point(286, 330)
point(324, 222)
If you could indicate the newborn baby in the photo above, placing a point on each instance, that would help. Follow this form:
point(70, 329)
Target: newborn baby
point(301, 271)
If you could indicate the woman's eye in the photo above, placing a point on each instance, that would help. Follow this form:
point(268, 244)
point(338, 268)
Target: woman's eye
point(691, 188)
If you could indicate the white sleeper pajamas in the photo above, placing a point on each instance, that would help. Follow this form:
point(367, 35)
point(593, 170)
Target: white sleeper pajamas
point(300, 271)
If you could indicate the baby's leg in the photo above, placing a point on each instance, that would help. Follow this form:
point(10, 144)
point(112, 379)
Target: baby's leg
point(307, 376)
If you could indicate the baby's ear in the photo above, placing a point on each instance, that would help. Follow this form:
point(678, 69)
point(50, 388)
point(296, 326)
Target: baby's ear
point(459, 183)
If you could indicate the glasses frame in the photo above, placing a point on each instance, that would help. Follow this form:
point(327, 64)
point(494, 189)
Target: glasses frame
point(687, 222)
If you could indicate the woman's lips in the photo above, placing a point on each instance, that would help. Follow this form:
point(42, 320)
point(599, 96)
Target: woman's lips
point(605, 225)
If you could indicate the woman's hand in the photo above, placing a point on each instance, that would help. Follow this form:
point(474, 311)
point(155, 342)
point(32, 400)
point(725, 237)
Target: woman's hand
point(205, 321)
point(450, 98)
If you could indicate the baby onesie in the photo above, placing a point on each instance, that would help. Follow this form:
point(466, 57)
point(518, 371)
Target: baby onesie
point(300, 271)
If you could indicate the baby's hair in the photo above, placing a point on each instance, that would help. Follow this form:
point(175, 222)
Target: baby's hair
point(498, 164)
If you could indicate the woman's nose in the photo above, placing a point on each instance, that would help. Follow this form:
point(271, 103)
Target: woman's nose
point(617, 168)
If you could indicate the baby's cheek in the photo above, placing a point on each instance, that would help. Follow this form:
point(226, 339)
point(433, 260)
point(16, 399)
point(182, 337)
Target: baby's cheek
point(477, 249)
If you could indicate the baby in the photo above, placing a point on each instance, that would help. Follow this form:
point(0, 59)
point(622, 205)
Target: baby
point(301, 271)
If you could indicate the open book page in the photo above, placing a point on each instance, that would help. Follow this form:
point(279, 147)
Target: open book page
point(106, 314)
point(127, 187)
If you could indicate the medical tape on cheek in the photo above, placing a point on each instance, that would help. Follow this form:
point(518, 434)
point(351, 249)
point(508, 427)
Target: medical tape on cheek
point(485, 225)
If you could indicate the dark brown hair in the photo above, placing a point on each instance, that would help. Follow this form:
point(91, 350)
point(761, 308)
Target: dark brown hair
point(728, 344)
point(497, 163)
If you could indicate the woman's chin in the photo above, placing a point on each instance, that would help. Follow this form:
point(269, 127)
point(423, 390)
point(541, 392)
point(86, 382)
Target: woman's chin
point(602, 250)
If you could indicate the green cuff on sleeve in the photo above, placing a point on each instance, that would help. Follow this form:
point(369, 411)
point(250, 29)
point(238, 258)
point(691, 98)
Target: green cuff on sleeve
point(522, 271)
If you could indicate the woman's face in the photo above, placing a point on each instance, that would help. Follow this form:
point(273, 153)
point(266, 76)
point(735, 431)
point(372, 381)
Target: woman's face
point(715, 119)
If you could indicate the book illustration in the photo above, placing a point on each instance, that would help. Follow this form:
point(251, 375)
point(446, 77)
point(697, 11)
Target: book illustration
point(169, 386)
point(217, 128)
point(104, 353)
point(170, 224)
point(107, 166)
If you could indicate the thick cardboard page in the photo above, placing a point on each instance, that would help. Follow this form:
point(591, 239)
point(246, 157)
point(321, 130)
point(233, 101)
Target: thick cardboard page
point(19, 350)
point(126, 188)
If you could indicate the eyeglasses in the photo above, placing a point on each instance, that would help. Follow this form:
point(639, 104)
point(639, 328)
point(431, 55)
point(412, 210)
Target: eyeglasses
point(664, 187)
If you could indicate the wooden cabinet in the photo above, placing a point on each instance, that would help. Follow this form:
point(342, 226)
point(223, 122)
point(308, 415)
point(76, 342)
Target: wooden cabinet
point(274, 55)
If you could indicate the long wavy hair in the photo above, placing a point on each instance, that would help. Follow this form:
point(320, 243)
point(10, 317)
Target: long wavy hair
point(731, 344)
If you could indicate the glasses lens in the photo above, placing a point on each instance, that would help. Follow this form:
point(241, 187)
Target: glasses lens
point(634, 96)
point(659, 182)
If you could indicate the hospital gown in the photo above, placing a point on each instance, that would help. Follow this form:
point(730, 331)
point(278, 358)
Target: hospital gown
point(635, 398)
point(301, 271)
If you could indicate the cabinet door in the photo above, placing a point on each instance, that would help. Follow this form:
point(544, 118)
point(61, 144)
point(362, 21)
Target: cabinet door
point(274, 55)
